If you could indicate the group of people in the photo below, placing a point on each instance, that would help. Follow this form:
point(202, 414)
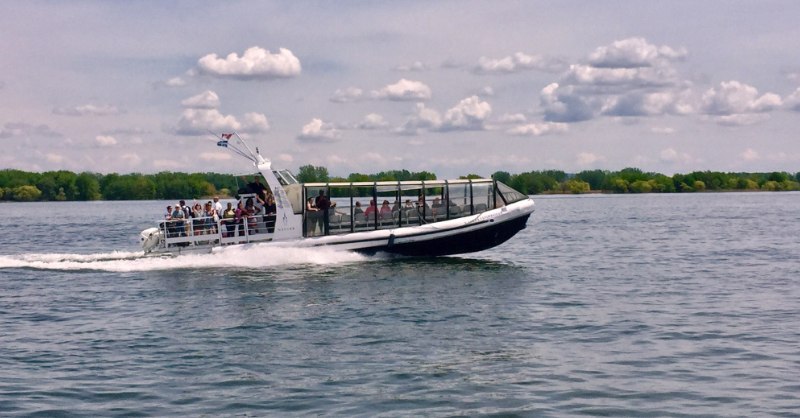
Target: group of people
point(422, 207)
point(317, 211)
point(204, 218)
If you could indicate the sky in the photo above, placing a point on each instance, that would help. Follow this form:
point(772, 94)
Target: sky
point(450, 87)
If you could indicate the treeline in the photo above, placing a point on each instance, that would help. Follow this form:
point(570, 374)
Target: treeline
point(66, 185)
point(633, 180)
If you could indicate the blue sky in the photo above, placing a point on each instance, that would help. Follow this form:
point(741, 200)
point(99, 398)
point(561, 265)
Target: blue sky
point(452, 87)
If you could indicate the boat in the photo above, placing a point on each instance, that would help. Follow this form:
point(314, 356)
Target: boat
point(408, 218)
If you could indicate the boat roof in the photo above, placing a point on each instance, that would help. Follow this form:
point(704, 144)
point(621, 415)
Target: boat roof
point(394, 184)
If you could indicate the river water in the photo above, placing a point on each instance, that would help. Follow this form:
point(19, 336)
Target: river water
point(606, 305)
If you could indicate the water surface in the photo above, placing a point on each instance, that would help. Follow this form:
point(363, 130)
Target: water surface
point(612, 305)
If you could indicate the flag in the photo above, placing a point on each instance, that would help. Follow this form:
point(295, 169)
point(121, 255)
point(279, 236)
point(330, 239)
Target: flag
point(222, 143)
point(227, 136)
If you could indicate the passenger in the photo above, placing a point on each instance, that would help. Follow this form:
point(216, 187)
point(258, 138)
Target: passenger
point(198, 224)
point(269, 213)
point(168, 224)
point(396, 206)
point(168, 215)
point(241, 215)
point(323, 203)
point(311, 217)
point(370, 209)
point(423, 208)
point(217, 206)
point(256, 186)
point(358, 209)
point(408, 205)
point(437, 207)
point(229, 218)
point(178, 216)
point(252, 211)
point(186, 209)
point(209, 217)
point(385, 207)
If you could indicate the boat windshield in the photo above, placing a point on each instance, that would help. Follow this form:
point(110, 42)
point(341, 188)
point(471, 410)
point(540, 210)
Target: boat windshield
point(509, 195)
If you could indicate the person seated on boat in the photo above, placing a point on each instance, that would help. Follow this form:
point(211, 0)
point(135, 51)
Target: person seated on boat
point(177, 217)
point(408, 205)
point(437, 207)
point(358, 209)
point(311, 217)
point(385, 207)
point(422, 208)
point(396, 206)
point(229, 219)
point(256, 186)
point(252, 210)
point(371, 209)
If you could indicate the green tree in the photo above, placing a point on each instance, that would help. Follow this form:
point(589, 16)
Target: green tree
point(87, 187)
point(311, 174)
point(26, 193)
point(641, 186)
point(595, 178)
point(698, 186)
point(470, 177)
point(502, 177)
point(577, 186)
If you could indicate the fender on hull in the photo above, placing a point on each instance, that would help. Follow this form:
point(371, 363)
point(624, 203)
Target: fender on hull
point(468, 242)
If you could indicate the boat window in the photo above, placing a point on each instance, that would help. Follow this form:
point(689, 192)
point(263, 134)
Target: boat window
point(294, 192)
point(509, 195)
point(459, 199)
point(482, 197)
point(288, 177)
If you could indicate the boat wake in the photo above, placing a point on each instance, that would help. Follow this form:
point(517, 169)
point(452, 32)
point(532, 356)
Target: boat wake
point(234, 257)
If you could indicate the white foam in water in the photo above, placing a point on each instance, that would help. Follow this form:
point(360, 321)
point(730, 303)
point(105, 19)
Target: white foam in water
point(228, 257)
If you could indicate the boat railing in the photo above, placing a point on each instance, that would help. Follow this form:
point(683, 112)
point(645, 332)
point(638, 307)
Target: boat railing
point(205, 231)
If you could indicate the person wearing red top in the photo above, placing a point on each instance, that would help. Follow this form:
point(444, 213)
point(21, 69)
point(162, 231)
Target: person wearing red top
point(370, 209)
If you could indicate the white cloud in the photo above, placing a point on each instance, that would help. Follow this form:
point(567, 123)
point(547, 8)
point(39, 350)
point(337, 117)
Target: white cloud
point(512, 118)
point(585, 158)
point(89, 110)
point(285, 158)
point(669, 155)
point(215, 156)
point(372, 121)
point(403, 90)
point(468, 115)
point(422, 118)
point(634, 53)
point(518, 62)
point(316, 130)
point(486, 91)
point(733, 97)
point(131, 159)
point(105, 141)
point(792, 101)
point(166, 164)
point(20, 129)
point(254, 123)
point(662, 130)
point(415, 66)
point(195, 122)
point(205, 100)
point(738, 119)
point(54, 158)
point(349, 94)
point(255, 63)
point(537, 129)
point(749, 155)
point(172, 82)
